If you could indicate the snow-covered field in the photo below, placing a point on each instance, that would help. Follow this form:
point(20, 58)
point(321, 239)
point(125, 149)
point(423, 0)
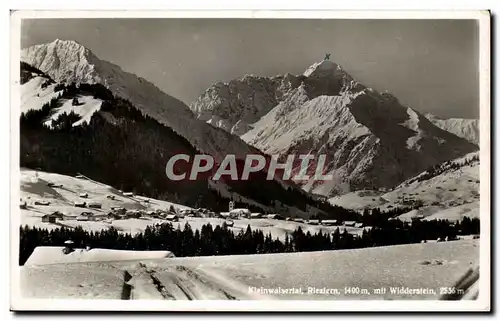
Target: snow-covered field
point(34, 188)
point(416, 266)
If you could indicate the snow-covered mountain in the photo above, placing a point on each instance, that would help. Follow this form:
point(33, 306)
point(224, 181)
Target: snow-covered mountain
point(234, 105)
point(86, 129)
point(369, 138)
point(465, 128)
point(69, 62)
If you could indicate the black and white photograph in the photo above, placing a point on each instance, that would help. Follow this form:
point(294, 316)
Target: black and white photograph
point(295, 163)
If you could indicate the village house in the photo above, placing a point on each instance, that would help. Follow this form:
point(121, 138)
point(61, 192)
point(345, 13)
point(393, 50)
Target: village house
point(95, 205)
point(118, 210)
point(172, 218)
point(114, 216)
point(129, 194)
point(110, 197)
point(86, 216)
point(350, 223)
point(358, 225)
point(80, 204)
point(160, 211)
point(299, 220)
point(229, 223)
point(329, 222)
point(132, 214)
point(84, 195)
point(241, 212)
point(274, 217)
point(313, 222)
point(49, 218)
point(44, 203)
point(228, 215)
point(255, 215)
point(58, 215)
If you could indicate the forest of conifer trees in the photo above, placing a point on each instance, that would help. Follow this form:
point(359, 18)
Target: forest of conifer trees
point(221, 240)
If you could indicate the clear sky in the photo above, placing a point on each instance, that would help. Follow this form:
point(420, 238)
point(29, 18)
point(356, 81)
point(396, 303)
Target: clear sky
point(430, 65)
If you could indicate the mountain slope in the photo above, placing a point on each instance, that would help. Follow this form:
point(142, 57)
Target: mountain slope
point(465, 128)
point(448, 190)
point(370, 139)
point(234, 105)
point(116, 144)
point(69, 62)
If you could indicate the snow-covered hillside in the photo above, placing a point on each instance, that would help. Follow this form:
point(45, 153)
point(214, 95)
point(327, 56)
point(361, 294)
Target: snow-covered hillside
point(306, 275)
point(370, 139)
point(85, 108)
point(67, 190)
point(69, 62)
point(34, 95)
point(449, 191)
point(41, 90)
point(465, 128)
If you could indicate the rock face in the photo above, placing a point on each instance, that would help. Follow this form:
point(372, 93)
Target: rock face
point(370, 140)
point(70, 62)
point(465, 128)
point(233, 106)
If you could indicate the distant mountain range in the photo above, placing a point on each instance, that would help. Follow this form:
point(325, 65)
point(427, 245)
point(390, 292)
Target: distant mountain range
point(370, 139)
point(84, 115)
point(465, 128)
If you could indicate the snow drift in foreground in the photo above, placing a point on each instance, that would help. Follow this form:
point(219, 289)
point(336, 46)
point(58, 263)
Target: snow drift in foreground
point(43, 255)
point(416, 266)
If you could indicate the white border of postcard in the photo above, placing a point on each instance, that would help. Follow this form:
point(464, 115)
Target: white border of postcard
point(481, 304)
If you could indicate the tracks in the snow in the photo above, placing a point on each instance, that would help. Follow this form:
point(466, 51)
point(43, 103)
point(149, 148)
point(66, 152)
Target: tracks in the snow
point(173, 283)
point(127, 288)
